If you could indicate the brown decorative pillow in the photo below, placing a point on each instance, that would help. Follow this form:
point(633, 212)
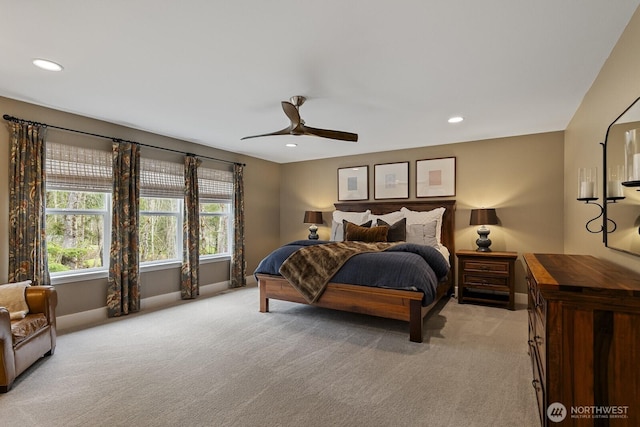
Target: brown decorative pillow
point(397, 231)
point(364, 234)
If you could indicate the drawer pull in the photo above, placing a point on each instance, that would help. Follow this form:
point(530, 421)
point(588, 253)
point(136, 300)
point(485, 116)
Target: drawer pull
point(535, 383)
point(538, 339)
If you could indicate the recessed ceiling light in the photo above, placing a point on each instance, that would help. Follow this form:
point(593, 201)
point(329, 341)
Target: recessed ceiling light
point(455, 119)
point(291, 145)
point(47, 65)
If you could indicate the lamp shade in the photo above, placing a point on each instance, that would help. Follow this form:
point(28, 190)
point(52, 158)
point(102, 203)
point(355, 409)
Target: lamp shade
point(483, 216)
point(313, 217)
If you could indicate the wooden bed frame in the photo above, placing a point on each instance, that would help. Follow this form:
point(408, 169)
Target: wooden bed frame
point(388, 303)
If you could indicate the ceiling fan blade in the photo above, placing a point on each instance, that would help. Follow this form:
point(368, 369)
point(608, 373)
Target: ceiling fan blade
point(331, 134)
point(285, 131)
point(292, 112)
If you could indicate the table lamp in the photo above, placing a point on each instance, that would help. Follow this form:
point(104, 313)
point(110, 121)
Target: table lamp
point(313, 218)
point(483, 217)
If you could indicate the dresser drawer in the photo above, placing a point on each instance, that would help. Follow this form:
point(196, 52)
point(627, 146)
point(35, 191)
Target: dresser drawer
point(541, 308)
point(539, 341)
point(532, 325)
point(488, 281)
point(536, 303)
point(495, 267)
point(538, 385)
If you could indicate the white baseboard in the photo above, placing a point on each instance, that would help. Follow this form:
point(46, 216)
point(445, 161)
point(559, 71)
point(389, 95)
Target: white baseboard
point(98, 315)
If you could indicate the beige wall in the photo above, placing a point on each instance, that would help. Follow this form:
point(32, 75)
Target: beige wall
point(262, 182)
point(614, 89)
point(522, 177)
point(530, 180)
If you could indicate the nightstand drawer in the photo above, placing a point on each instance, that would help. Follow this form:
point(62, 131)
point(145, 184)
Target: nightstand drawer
point(495, 267)
point(480, 280)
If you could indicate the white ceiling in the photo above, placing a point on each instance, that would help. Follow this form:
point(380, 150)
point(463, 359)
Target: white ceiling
point(212, 72)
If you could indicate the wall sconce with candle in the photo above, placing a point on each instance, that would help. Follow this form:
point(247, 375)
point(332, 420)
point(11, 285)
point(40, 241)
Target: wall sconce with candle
point(588, 193)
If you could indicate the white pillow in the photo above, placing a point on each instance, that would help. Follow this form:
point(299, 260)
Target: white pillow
point(415, 217)
point(337, 233)
point(390, 218)
point(13, 299)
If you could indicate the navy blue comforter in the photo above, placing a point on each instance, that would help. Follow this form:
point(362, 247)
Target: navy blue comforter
point(406, 266)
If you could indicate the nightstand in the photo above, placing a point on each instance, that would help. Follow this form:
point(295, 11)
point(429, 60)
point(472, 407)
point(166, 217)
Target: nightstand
point(486, 277)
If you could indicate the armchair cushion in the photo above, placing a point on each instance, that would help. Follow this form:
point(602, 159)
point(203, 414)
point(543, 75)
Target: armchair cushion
point(12, 297)
point(24, 328)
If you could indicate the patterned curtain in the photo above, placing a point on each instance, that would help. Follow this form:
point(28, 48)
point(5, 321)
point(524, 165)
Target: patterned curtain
point(123, 293)
point(27, 197)
point(189, 286)
point(238, 261)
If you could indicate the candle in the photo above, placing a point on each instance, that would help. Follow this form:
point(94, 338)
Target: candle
point(636, 167)
point(614, 188)
point(587, 183)
point(587, 190)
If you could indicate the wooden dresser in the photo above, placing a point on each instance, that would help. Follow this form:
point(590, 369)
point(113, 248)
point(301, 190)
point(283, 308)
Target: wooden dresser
point(584, 340)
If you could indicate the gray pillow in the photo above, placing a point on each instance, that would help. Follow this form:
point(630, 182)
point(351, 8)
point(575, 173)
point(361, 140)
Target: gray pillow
point(423, 234)
point(397, 232)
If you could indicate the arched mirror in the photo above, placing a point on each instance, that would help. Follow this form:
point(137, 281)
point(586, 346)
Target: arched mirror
point(622, 180)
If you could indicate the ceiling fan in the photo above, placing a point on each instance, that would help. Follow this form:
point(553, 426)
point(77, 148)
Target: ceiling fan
point(298, 127)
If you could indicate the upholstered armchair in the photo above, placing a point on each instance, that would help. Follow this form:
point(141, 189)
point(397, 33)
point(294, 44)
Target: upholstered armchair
point(27, 328)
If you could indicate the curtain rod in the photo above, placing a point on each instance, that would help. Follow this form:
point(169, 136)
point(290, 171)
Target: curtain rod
point(30, 122)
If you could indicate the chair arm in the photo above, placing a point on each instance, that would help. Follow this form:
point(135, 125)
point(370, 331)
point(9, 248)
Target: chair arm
point(42, 299)
point(7, 360)
point(5, 326)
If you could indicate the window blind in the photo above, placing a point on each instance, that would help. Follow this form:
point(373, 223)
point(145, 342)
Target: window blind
point(72, 168)
point(161, 179)
point(214, 184)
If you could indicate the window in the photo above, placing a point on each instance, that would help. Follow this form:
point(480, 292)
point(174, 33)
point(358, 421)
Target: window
point(78, 208)
point(214, 228)
point(160, 229)
point(161, 201)
point(215, 189)
point(77, 225)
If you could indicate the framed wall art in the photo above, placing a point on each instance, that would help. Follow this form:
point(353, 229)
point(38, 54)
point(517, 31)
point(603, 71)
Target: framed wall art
point(391, 181)
point(353, 183)
point(436, 177)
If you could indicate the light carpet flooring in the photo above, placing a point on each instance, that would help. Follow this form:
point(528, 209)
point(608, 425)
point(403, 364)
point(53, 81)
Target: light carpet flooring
point(217, 361)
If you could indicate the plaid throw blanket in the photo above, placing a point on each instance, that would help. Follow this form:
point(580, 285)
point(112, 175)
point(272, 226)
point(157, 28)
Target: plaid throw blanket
point(310, 268)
